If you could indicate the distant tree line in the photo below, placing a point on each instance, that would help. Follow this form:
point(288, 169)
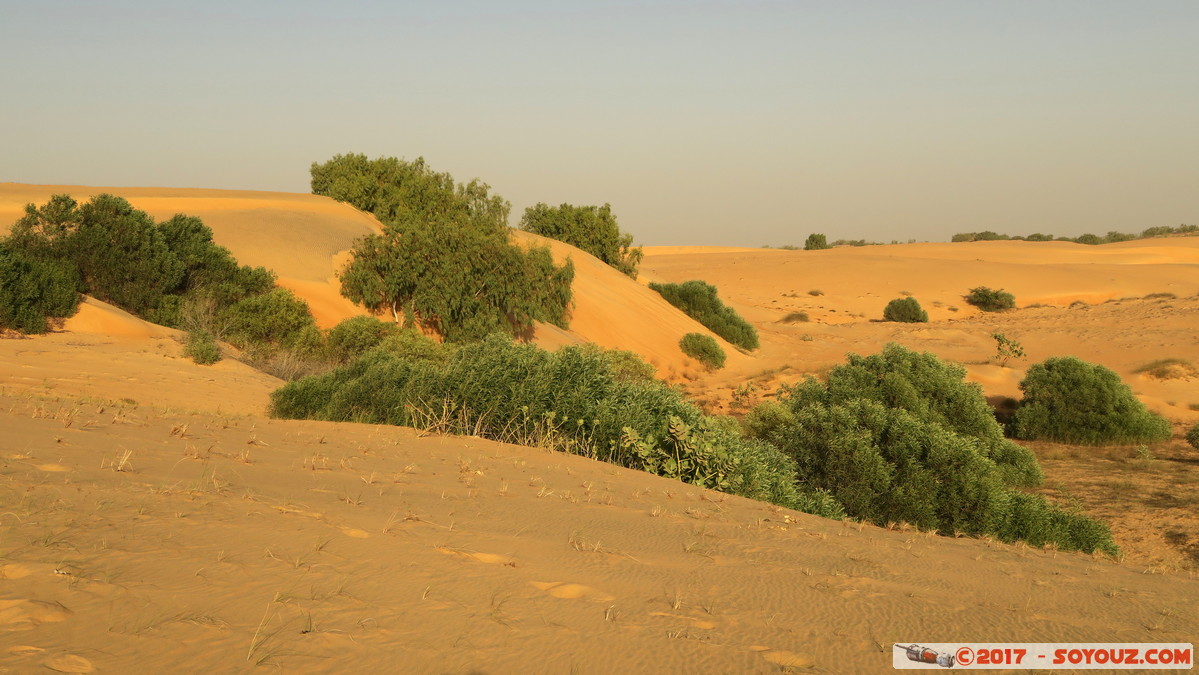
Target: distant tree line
point(1090, 239)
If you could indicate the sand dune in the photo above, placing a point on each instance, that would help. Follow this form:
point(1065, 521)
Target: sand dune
point(154, 516)
point(145, 539)
point(304, 239)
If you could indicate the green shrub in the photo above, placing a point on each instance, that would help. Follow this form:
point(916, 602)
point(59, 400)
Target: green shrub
point(703, 348)
point(34, 291)
point(1071, 401)
point(905, 310)
point(358, 335)
point(121, 256)
point(700, 302)
point(274, 320)
point(899, 437)
point(796, 317)
point(1193, 437)
point(816, 242)
point(930, 389)
point(591, 228)
point(575, 400)
point(444, 258)
point(991, 300)
point(202, 348)
point(409, 343)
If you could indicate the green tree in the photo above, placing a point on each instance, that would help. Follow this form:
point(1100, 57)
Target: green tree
point(591, 228)
point(34, 291)
point(816, 242)
point(444, 258)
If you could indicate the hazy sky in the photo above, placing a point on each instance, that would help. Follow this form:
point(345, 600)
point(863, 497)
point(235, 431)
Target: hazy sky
point(700, 122)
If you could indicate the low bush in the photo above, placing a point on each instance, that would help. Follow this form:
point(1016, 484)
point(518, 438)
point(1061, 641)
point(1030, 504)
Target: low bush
point(272, 321)
point(930, 389)
point(1168, 369)
point(358, 335)
point(202, 348)
point(905, 310)
point(1193, 437)
point(816, 242)
point(34, 293)
point(703, 348)
point(574, 400)
point(700, 302)
point(1071, 401)
point(884, 443)
point(991, 300)
point(796, 317)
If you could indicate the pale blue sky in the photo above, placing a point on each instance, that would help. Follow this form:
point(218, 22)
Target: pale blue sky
point(700, 122)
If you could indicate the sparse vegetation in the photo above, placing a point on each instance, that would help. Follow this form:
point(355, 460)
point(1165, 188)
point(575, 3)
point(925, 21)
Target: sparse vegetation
point(900, 437)
point(1071, 401)
point(703, 348)
point(1006, 349)
point(700, 302)
point(1168, 369)
point(991, 300)
point(796, 317)
point(1089, 239)
point(816, 292)
point(905, 310)
point(202, 348)
point(591, 228)
point(1192, 437)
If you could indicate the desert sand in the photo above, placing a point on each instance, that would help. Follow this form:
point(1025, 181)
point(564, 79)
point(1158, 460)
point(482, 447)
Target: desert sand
point(151, 515)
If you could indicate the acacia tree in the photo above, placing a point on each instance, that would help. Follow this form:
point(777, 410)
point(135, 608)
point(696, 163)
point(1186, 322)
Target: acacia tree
point(444, 259)
point(591, 228)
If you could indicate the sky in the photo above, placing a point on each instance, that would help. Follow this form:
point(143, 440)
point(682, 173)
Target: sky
point(713, 123)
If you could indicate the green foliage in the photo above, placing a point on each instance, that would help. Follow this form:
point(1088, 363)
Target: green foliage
point(703, 348)
point(1006, 349)
point(1089, 239)
point(905, 310)
point(202, 348)
point(591, 228)
point(796, 317)
point(700, 302)
point(1192, 437)
point(931, 390)
point(274, 320)
point(358, 335)
point(123, 257)
point(34, 291)
point(445, 258)
point(899, 437)
point(815, 242)
point(991, 300)
point(1071, 401)
point(574, 400)
point(409, 344)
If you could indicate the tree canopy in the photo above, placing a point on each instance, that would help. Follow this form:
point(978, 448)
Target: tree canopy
point(445, 258)
point(591, 228)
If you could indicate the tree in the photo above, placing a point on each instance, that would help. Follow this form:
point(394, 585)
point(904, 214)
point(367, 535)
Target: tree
point(816, 242)
point(591, 228)
point(444, 258)
point(33, 291)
